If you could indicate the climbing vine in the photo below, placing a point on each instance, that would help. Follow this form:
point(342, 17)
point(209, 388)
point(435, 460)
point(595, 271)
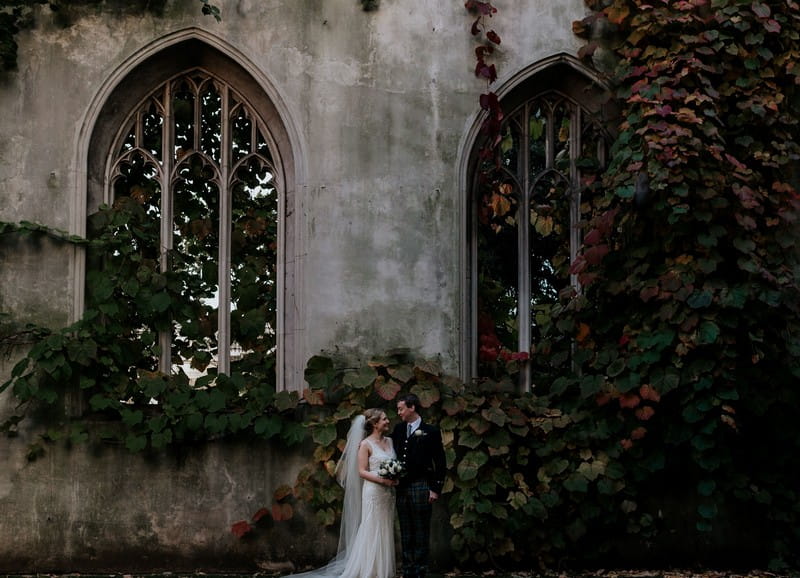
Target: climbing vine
point(672, 374)
point(695, 240)
point(110, 356)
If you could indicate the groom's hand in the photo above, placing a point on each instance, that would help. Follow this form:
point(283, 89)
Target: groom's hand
point(432, 497)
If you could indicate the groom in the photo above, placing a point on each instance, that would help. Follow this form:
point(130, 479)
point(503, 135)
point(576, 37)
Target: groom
point(419, 447)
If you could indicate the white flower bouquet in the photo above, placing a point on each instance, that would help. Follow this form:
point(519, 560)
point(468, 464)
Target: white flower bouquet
point(391, 469)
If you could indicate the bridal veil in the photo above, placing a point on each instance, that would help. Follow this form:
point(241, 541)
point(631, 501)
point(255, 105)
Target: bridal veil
point(348, 478)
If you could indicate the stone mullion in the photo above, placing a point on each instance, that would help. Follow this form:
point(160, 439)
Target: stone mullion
point(167, 153)
point(225, 226)
point(524, 249)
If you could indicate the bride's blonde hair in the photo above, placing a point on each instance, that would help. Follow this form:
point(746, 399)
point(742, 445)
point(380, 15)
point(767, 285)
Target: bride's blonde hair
point(371, 418)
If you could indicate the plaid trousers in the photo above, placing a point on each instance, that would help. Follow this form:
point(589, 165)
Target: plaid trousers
point(414, 515)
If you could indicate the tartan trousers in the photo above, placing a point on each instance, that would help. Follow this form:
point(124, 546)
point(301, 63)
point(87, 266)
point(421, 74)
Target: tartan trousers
point(414, 515)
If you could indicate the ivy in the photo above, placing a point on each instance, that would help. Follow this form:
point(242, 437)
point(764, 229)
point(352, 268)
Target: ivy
point(525, 483)
point(109, 358)
point(700, 221)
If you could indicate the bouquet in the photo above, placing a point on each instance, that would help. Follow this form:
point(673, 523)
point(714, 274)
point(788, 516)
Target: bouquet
point(391, 469)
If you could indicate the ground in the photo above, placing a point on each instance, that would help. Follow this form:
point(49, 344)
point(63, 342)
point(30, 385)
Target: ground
point(592, 574)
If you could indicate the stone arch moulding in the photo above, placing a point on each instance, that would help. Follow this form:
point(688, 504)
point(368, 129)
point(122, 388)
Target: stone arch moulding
point(561, 72)
point(126, 86)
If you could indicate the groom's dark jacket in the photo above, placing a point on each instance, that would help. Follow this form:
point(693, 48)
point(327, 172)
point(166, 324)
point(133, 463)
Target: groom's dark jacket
point(422, 454)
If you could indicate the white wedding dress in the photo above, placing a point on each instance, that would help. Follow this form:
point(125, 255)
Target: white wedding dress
point(372, 552)
point(366, 533)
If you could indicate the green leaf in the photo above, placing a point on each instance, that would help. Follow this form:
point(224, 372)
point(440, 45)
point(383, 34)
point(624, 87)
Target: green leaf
point(427, 393)
point(286, 400)
point(745, 245)
point(320, 372)
point(576, 483)
point(494, 415)
point(707, 333)
point(267, 426)
point(160, 302)
point(616, 368)
point(470, 464)
point(131, 417)
point(706, 487)
point(135, 443)
point(700, 299)
point(402, 373)
point(362, 378)
point(194, 421)
point(590, 470)
point(324, 435)
point(707, 510)
point(217, 400)
point(468, 438)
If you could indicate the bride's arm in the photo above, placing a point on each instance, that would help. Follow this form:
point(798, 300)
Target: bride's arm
point(364, 450)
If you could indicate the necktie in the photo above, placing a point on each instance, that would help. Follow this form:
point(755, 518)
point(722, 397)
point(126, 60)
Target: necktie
point(408, 431)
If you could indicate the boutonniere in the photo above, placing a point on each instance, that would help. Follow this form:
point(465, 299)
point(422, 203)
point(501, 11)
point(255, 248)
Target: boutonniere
point(419, 433)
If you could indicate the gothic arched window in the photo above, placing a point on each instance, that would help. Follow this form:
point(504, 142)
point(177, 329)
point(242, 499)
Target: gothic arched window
point(194, 158)
point(523, 242)
point(190, 204)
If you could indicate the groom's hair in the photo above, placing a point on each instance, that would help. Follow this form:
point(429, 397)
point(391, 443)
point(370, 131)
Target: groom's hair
point(411, 400)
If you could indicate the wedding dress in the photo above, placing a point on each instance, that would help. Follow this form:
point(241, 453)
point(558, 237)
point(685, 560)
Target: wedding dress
point(366, 533)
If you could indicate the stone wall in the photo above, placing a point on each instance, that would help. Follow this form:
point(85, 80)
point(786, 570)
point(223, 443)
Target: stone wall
point(378, 109)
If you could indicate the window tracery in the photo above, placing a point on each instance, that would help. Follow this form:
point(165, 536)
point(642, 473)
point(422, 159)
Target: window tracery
point(195, 157)
point(552, 146)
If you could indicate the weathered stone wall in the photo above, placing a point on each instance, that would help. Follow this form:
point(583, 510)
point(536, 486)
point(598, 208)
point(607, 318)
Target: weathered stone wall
point(377, 103)
point(377, 106)
point(98, 507)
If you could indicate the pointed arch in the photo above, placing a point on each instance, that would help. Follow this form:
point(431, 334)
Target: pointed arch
point(241, 86)
point(555, 98)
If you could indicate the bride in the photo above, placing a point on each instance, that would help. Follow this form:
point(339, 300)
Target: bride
point(366, 533)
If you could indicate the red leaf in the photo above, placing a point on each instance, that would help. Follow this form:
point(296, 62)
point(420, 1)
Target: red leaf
point(772, 26)
point(587, 50)
point(314, 396)
point(260, 514)
point(486, 8)
point(487, 72)
point(616, 14)
point(241, 529)
point(645, 413)
point(476, 27)
point(629, 400)
point(282, 492)
point(594, 255)
point(648, 293)
point(761, 10)
point(493, 37)
point(593, 237)
point(483, 49)
point(478, 425)
point(489, 101)
point(648, 392)
point(602, 399)
point(281, 512)
point(454, 405)
point(583, 332)
point(386, 389)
